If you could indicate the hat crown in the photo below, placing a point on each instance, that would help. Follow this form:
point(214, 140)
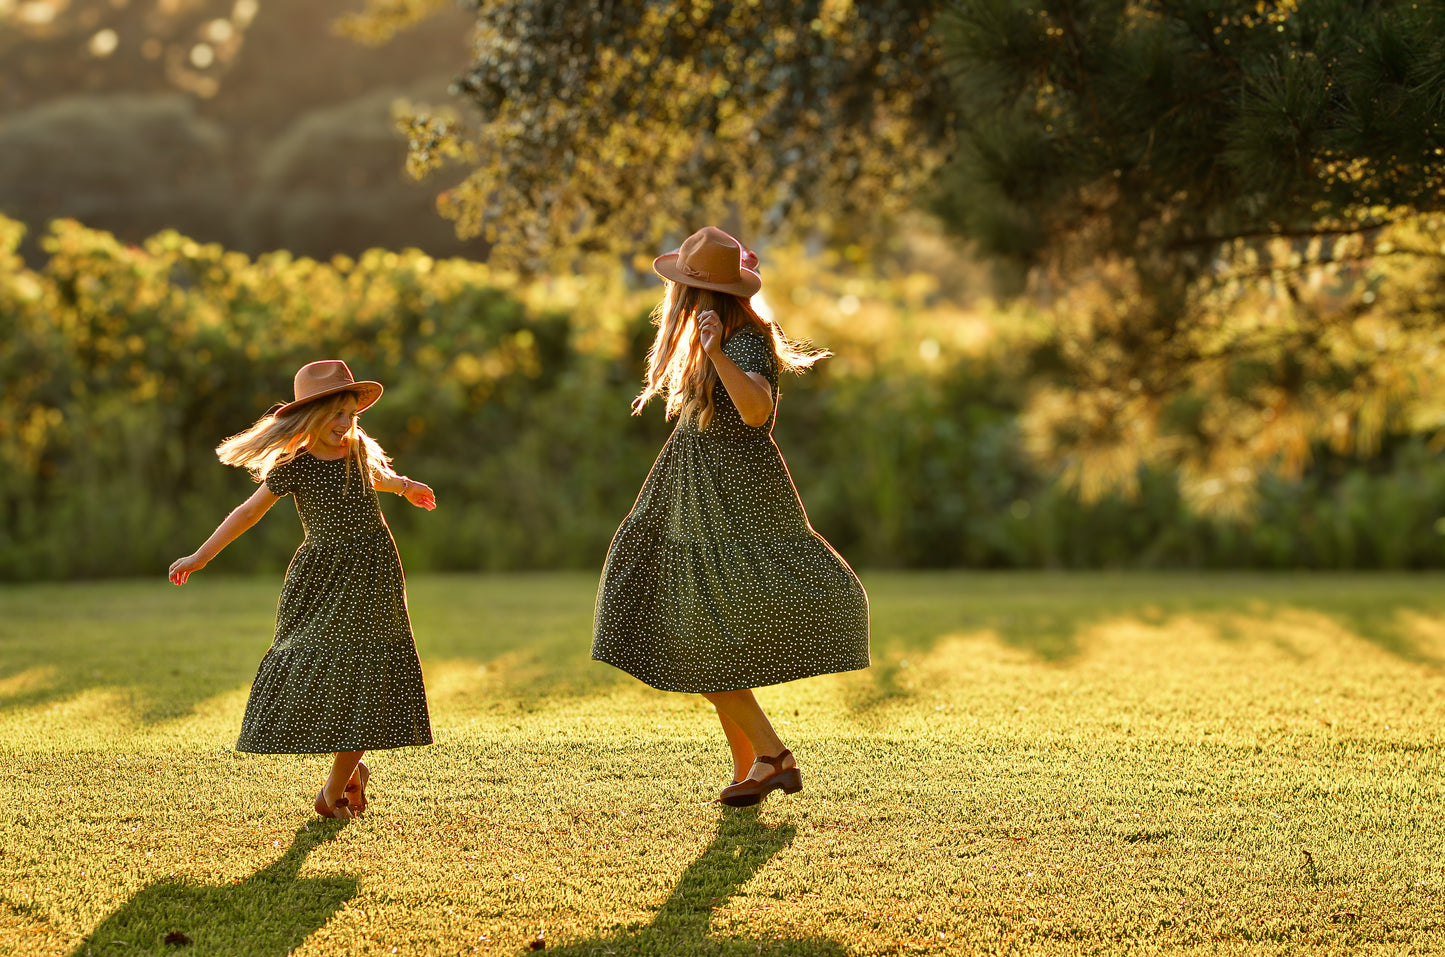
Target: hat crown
point(711, 255)
point(711, 259)
point(317, 380)
point(324, 375)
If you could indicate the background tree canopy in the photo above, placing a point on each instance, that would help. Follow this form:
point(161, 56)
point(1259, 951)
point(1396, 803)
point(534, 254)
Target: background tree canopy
point(1231, 212)
point(622, 125)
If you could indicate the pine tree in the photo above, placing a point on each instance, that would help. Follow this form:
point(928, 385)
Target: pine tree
point(1235, 211)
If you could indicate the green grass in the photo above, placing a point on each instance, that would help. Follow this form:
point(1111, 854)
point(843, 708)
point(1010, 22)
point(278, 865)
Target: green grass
point(1035, 764)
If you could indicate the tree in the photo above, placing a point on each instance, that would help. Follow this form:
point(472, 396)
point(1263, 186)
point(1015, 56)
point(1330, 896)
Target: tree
point(1235, 211)
point(1229, 212)
point(622, 125)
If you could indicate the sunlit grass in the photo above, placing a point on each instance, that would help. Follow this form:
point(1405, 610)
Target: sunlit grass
point(1035, 764)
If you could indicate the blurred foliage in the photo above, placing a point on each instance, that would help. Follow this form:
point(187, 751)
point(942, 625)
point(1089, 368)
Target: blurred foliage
point(1234, 211)
point(619, 126)
point(123, 366)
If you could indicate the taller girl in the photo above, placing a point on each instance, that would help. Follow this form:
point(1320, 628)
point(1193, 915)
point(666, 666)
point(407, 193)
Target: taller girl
point(342, 674)
point(716, 583)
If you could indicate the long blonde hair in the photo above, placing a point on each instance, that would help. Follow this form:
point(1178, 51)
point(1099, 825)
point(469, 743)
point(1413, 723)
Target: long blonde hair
point(679, 370)
point(275, 440)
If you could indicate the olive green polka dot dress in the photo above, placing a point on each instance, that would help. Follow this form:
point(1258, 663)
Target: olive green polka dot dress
point(342, 673)
point(716, 581)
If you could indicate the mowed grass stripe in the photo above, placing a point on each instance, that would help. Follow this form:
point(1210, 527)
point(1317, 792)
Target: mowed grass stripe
point(1051, 764)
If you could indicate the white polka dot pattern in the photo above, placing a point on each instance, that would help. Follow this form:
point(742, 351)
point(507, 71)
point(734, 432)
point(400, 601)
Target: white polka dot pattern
point(715, 581)
point(342, 673)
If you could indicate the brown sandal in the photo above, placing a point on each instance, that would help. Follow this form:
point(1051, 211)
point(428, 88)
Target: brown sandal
point(356, 788)
point(748, 792)
point(340, 811)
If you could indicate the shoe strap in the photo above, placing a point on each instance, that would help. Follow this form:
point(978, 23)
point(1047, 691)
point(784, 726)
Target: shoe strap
point(776, 762)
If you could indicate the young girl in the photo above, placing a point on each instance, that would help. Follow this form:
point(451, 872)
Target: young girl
point(716, 584)
point(342, 674)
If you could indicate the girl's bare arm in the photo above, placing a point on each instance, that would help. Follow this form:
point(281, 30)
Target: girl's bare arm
point(749, 391)
point(417, 493)
point(242, 517)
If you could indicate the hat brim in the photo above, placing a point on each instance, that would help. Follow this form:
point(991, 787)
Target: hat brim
point(367, 392)
point(666, 267)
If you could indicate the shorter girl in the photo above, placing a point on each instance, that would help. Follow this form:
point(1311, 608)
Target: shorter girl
point(342, 674)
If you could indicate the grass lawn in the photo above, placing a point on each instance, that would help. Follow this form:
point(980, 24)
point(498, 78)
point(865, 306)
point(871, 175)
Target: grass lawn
point(1035, 764)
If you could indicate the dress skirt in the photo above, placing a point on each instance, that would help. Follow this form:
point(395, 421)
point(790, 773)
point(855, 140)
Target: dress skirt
point(716, 581)
point(342, 672)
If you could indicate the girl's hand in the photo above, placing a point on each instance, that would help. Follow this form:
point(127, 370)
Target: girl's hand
point(709, 331)
point(181, 568)
point(420, 495)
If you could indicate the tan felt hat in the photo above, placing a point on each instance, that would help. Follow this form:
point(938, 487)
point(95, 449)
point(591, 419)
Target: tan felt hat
point(317, 380)
point(709, 259)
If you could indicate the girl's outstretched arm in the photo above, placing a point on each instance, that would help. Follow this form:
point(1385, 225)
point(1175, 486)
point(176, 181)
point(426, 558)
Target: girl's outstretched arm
point(417, 493)
point(242, 517)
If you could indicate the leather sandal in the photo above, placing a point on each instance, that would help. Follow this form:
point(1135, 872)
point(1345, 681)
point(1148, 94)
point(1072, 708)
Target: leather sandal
point(356, 788)
point(340, 811)
point(749, 792)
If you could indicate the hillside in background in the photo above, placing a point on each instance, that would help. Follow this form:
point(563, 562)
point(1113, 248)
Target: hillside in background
point(248, 123)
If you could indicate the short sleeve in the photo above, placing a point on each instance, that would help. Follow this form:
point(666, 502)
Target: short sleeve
point(752, 353)
point(281, 480)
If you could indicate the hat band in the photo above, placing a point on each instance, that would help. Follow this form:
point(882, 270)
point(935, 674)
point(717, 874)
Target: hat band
point(703, 274)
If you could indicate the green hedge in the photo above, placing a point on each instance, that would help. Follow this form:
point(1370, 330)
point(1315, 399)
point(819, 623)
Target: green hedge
point(123, 367)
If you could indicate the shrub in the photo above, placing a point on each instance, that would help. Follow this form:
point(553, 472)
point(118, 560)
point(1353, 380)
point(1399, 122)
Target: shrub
point(122, 367)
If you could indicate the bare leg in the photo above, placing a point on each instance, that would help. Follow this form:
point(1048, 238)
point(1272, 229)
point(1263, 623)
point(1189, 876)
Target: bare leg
point(742, 709)
point(742, 748)
point(341, 767)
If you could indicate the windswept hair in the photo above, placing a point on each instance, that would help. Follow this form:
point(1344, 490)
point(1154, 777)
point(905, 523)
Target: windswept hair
point(680, 371)
point(275, 440)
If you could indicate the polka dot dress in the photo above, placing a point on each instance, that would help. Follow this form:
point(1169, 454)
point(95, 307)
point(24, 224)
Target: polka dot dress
point(342, 673)
point(716, 581)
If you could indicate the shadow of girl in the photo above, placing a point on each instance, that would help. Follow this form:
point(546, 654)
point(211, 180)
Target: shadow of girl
point(740, 849)
point(271, 912)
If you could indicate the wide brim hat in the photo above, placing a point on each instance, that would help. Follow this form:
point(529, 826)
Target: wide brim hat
point(317, 380)
point(709, 259)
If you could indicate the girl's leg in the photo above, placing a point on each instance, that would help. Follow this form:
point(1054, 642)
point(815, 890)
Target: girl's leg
point(742, 748)
point(742, 709)
point(341, 767)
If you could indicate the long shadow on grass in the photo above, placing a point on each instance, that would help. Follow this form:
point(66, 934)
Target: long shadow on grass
point(1044, 614)
point(269, 913)
point(743, 844)
point(153, 652)
point(161, 650)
